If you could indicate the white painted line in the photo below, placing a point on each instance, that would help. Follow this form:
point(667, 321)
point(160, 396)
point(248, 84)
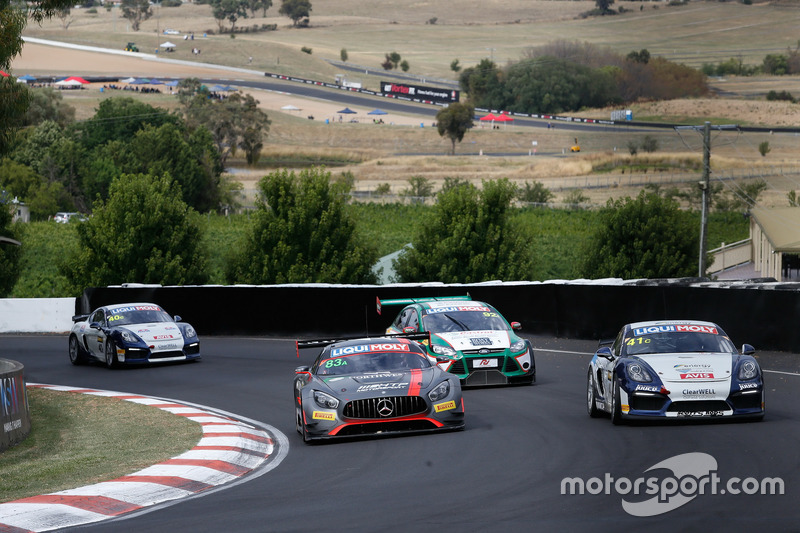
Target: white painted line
point(780, 372)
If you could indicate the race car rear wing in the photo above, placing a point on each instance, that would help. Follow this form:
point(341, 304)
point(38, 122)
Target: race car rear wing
point(321, 343)
point(407, 301)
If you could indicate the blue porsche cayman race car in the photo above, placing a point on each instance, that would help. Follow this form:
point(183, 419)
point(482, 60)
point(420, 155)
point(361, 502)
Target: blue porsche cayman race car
point(374, 386)
point(472, 339)
point(674, 369)
point(132, 333)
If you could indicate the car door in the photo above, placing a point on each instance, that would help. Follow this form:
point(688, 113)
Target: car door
point(604, 373)
point(95, 336)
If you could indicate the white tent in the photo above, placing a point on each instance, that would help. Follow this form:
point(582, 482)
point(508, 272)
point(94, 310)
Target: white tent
point(168, 45)
point(69, 84)
point(290, 107)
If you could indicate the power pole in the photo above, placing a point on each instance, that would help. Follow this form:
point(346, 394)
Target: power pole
point(705, 187)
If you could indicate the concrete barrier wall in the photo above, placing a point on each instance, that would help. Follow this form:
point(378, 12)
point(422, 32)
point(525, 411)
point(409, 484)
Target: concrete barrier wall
point(759, 312)
point(15, 419)
point(36, 315)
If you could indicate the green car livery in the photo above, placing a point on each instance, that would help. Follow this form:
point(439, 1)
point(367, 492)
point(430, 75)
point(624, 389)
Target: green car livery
point(468, 338)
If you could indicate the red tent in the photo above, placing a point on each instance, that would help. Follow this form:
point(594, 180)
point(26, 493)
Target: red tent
point(489, 118)
point(504, 117)
point(76, 78)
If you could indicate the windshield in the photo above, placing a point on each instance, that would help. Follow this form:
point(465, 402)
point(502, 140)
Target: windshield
point(371, 362)
point(438, 321)
point(676, 343)
point(139, 314)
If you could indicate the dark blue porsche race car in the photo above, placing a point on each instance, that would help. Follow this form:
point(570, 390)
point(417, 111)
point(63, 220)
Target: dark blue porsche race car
point(132, 333)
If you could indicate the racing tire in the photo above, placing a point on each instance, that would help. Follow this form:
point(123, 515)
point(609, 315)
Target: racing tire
point(111, 354)
point(591, 399)
point(616, 411)
point(77, 355)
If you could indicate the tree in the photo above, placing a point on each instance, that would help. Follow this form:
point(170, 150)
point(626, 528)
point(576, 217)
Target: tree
point(604, 6)
point(469, 238)
point(535, 193)
point(136, 11)
point(42, 197)
point(453, 121)
point(48, 104)
point(763, 148)
point(143, 233)
point(14, 99)
point(419, 188)
point(645, 237)
point(343, 55)
point(230, 10)
point(55, 155)
point(297, 10)
point(649, 144)
point(455, 66)
point(14, 96)
point(235, 122)
point(65, 16)
point(255, 5)
point(9, 253)
point(119, 118)
point(301, 233)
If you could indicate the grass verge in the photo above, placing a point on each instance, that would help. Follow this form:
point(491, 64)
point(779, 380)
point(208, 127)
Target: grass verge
point(80, 439)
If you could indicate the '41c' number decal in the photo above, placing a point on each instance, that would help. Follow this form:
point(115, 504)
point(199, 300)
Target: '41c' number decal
point(637, 340)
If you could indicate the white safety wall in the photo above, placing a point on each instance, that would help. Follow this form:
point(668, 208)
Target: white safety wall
point(36, 315)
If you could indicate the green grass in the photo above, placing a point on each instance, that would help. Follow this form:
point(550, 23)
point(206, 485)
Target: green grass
point(559, 236)
point(79, 439)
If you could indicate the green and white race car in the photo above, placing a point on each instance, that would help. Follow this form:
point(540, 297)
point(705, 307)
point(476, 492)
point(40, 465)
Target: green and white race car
point(469, 339)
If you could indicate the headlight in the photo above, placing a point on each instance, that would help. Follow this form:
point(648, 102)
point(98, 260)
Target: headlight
point(190, 333)
point(638, 373)
point(128, 337)
point(440, 391)
point(748, 370)
point(518, 346)
point(443, 350)
point(325, 400)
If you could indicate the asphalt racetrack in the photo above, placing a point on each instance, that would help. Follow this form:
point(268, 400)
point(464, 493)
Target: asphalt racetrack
point(503, 473)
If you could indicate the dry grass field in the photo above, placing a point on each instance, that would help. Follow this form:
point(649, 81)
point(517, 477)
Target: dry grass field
point(430, 34)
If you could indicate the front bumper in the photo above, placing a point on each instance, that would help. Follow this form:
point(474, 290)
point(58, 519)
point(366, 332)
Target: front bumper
point(445, 415)
point(144, 355)
point(653, 405)
point(499, 368)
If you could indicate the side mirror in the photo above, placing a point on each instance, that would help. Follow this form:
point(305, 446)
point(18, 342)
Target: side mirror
point(409, 329)
point(177, 318)
point(302, 369)
point(94, 325)
point(605, 353)
point(516, 326)
point(747, 349)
